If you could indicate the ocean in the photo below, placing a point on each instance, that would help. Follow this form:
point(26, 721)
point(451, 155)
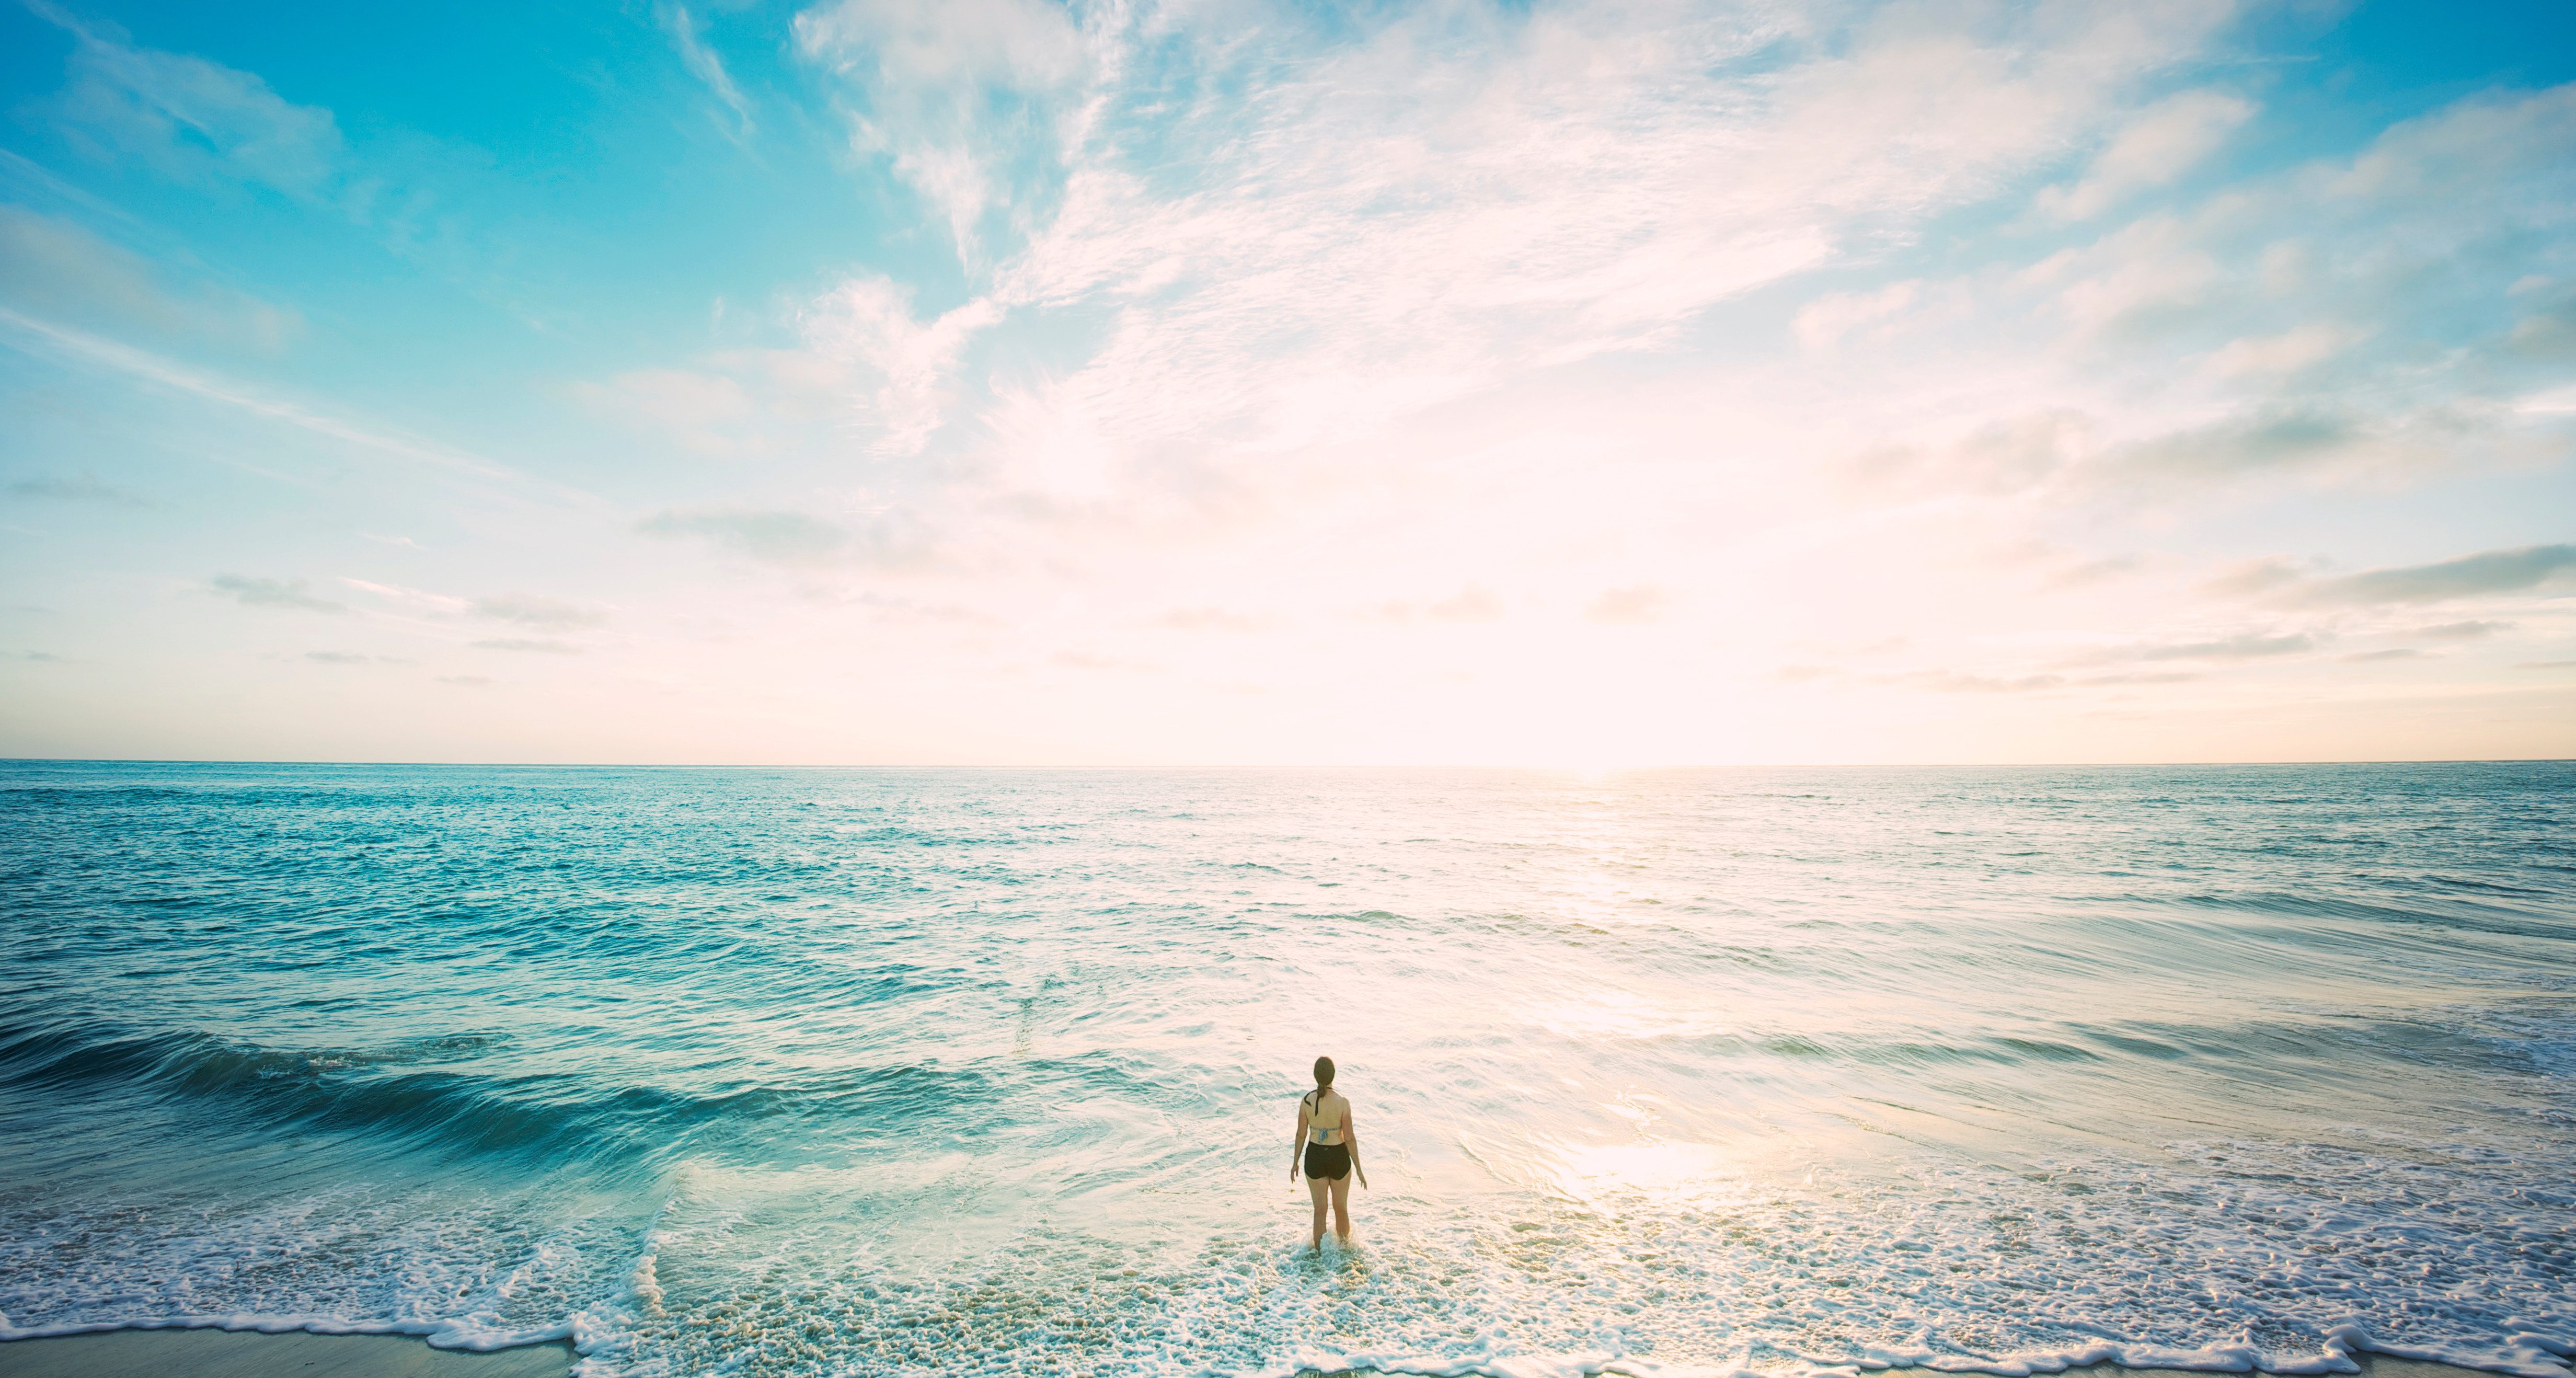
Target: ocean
point(780, 1071)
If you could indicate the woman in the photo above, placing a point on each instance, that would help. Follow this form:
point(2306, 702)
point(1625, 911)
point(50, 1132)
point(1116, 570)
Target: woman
point(1332, 1151)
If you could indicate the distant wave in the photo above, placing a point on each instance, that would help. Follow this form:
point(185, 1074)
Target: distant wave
point(367, 1091)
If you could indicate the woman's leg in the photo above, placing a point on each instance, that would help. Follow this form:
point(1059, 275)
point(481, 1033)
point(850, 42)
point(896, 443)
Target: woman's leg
point(1316, 1185)
point(1341, 1210)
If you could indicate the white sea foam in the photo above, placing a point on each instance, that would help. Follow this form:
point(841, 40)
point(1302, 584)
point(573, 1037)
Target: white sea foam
point(339, 1264)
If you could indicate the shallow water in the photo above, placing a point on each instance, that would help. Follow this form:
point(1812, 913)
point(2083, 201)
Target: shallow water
point(875, 1072)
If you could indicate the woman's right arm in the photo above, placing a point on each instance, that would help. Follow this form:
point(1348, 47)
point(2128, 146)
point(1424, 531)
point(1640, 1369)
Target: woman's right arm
point(1297, 1142)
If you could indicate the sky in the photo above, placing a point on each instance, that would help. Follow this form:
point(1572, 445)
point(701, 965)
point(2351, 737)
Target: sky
point(1225, 382)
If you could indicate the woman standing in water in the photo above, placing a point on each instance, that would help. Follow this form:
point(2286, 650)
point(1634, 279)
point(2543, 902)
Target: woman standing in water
point(1332, 1152)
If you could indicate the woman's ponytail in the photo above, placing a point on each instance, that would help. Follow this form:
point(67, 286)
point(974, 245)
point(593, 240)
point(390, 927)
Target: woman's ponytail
point(1323, 1082)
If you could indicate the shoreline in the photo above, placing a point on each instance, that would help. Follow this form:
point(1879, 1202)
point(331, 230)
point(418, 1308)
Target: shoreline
point(207, 1352)
point(2371, 1366)
point(215, 1353)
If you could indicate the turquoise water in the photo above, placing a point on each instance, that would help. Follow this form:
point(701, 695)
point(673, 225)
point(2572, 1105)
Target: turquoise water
point(870, 1072)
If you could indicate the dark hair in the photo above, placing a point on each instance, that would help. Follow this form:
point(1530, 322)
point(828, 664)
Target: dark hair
point(1323, 1080)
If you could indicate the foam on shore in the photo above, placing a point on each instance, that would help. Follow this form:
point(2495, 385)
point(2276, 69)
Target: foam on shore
point(214, 1353)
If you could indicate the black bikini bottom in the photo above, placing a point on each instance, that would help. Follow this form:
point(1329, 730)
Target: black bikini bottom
point(1332, 1162)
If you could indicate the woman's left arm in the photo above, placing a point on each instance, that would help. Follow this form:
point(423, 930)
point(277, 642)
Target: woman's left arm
point(1351, 1136)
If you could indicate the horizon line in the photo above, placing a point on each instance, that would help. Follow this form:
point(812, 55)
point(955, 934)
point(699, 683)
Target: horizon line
point(1557, 767)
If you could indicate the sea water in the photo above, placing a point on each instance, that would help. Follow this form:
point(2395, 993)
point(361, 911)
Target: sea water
point(881, 1072)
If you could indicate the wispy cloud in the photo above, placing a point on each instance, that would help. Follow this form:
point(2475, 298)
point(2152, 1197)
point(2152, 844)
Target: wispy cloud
point(2461, 631)
point(532, 611)
point(798, 539)
point(255, 592)
point(180, 377)
point(83, 488)
point(1955, 682)
point(2493, 571)
point(190, 118)
point(59, 269)
point(1628, 607)
point(1214, 620)
point(529, 645)
point(1093, 660)
point(420, 600)
point(961, 95)
point(2161, 144)
point(1471, 604)
point(703, 63)
point(2249, 646)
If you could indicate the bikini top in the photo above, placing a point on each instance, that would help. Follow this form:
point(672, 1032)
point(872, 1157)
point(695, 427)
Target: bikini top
point(1316, 1133)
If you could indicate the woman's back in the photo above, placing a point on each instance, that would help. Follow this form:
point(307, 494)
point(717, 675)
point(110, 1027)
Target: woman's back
point(1325, 1113)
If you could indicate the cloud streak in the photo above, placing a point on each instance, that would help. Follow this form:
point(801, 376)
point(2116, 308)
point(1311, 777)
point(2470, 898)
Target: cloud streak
point(82, 488)
point(289, 594)
point(545, 613)
point(703, 63)
point(2469, 576)
point(799, 540)
point(2251, 646)
point(181, 378)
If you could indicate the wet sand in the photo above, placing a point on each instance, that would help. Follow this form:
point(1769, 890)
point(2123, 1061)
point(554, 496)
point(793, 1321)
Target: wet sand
point(248, 1354)
point(2372, 1366)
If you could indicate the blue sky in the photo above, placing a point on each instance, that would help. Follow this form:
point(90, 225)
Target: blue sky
point(1008, 382)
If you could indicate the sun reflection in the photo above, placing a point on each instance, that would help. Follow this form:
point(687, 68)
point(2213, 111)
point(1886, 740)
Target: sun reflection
point(1653, 1174)
point(1599, 869)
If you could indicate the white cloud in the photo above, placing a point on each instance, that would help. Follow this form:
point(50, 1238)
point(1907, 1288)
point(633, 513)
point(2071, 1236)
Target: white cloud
point(2292, 351)
point(1019, 44)
point(1464, 310)
point(952, 90)
point(1823, 322)
point(1409, 219)
point(2161, 144)
point(867, 326)
point(191, 118)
